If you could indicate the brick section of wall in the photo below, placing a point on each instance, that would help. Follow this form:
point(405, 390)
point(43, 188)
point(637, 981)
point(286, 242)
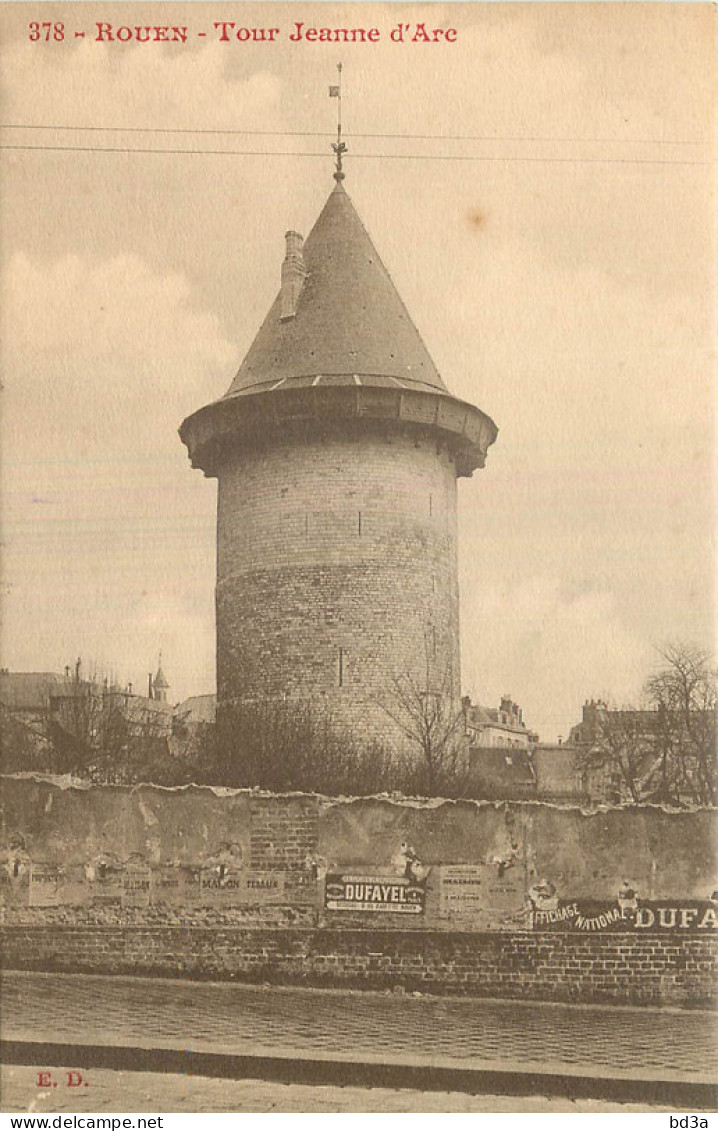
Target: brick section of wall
point(620, 969)
point(284, 837)
point(337, 572)
point(302, 913)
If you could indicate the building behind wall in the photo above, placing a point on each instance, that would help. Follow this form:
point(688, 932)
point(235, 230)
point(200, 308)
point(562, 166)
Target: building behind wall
point(52, 722)
point(499, 773)
point(500, 751)
point(502, 726)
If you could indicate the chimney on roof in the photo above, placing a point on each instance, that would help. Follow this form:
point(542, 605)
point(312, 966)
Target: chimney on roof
point(150, 689)
point(293, 274)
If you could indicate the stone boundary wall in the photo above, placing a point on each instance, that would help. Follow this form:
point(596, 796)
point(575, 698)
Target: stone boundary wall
point(381, 893)
point(619, 969)
point(121, 850)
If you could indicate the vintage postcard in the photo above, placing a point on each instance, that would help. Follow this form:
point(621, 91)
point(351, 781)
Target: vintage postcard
point(358, 690)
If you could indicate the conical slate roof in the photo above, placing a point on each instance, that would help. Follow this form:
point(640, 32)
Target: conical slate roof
point(338, 348)
point(349, 322)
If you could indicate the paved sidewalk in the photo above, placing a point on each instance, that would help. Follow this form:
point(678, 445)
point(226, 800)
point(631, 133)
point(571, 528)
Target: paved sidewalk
point(601, 1042)
point(149, 1092)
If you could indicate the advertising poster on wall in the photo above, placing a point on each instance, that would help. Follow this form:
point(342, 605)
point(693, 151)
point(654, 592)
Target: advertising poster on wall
point(481, 895)
point(377, 894)
point(44, 883)
point(649, 915)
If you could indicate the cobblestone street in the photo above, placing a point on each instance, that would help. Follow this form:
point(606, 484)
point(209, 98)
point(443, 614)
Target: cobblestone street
point(600, 1041)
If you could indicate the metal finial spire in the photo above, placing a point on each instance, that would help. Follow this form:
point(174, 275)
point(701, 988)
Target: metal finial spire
point(338, 146)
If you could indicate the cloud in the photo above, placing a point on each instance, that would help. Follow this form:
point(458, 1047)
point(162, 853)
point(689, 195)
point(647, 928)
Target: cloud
point(105, 524)
point(102, 355)
point(188, 86)
point(550, 649)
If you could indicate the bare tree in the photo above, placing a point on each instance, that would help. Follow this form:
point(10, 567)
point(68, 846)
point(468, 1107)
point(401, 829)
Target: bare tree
point(24, 744)
point(666, 750)
point(103, 733)
point(426, 712)
point(683, 694)
point(619, 755)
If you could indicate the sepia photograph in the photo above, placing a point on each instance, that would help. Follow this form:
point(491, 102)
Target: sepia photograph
point(358, 678)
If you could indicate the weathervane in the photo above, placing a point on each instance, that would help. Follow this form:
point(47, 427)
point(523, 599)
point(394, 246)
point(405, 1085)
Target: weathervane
point(338, 146)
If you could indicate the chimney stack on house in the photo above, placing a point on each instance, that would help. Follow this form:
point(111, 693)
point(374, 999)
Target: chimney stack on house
point(294, 273)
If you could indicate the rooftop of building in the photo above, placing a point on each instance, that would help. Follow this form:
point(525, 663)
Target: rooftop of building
point(507, 717)
point(29, 691)
point(197, 709)
point(498, 772)
point(160, 680)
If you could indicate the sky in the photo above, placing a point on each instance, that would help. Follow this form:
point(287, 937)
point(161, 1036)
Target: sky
point(541, 193)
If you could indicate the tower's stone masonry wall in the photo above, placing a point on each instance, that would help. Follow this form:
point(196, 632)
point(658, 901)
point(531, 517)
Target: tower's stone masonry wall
point(337, 572)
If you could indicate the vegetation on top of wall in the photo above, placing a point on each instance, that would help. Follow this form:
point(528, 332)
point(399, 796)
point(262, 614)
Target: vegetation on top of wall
point(663, 753)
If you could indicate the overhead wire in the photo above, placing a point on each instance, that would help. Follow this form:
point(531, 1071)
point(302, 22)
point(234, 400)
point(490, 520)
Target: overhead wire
point(464, 157)
point(356, 156)
point(320, 133)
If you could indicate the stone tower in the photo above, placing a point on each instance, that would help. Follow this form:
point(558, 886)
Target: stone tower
point(337, 449)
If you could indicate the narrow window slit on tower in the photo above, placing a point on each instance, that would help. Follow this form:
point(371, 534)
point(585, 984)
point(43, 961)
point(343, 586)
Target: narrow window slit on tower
point(360, 522)
point(431, 505)
point(306, 522)
point(341, 667)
